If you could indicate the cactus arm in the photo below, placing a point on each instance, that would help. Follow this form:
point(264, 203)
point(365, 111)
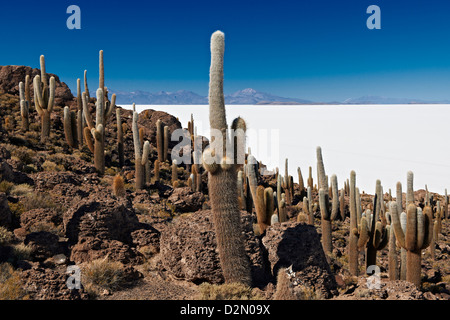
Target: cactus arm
point(136, 141)
point(145, 152)
point(363, 232)
point(88, 138)
point(99, 116)
point(68, 127)
point(51, 99)
point(428, 227)
point(410, 188)
point(399, 234)
point(38, 101)
point(335, 205)
point(86, 112)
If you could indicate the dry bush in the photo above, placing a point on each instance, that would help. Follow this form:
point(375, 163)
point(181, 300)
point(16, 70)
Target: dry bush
point(5, 236)
point(227, 291)
point(21, 189)
point(11, 284)
point(22, 251)
point(6, 186)
point(103, 274)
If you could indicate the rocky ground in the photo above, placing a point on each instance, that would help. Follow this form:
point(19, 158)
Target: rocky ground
point(157, 243)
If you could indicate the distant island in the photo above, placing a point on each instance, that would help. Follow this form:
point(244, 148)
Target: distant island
point(248, 96)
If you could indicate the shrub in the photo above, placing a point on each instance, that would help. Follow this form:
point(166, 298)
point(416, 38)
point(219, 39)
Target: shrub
point(103, 274)
point(11, 284)
point(21, 189)
point(227, 291)
point(6, 186)
point(22, 251)
point(5, 236)
point(51, 166)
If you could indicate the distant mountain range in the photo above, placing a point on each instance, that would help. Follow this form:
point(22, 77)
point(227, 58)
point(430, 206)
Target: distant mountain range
point(246, 96)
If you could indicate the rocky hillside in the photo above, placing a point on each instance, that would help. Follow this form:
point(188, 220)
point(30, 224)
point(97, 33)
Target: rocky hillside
point(57, 213)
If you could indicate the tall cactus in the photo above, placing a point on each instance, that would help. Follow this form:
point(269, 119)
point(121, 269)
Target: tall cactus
point(140, 154)
point(120, 149)
point(160, 140)
point(222, 178)
point(417, 236)
point(104, 109)
point(44, 99)
point(24, 103)
point(79, 127)
point(353, 251)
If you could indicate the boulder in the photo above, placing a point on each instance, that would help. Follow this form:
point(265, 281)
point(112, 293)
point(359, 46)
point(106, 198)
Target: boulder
point(189, 249)
point(10, 76)
point(49, 284)
point(184, 200)
point(5, 213)
point(297, 246)
point(43, 245)
point(102, 216)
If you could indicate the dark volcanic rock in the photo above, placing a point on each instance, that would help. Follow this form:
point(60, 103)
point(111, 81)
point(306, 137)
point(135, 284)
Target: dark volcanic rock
point(10, 76)
point(298, 246)
point(43, 245)
point(189, 249)
point(89, 249)
point(184, 200)
point(5, 213)
point(34, 217)
point(102, 216)
point(49, 284)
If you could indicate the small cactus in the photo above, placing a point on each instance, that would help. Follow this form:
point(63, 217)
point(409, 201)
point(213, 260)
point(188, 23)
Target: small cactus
point(118, 186)
point(25, 103)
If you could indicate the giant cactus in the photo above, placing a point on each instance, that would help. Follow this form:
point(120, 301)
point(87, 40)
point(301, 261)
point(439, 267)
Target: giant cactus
point(104, 109)
point(222, 177)
point(418, 233)
point(323, 180)
point(44, 99)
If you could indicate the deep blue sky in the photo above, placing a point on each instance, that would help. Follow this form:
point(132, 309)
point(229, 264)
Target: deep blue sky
point(318, 50)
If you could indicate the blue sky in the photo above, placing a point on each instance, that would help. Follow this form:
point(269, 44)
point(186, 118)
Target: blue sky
point(318, 50)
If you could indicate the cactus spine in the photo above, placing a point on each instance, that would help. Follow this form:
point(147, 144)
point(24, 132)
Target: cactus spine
point(417, 236)
point(223, 180)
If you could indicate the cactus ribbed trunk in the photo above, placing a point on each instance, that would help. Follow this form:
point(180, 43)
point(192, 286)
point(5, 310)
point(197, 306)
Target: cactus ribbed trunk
point(392, 256)
point(45, 125)
point(414, 266)
point(139, 172)
point(227, 222)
